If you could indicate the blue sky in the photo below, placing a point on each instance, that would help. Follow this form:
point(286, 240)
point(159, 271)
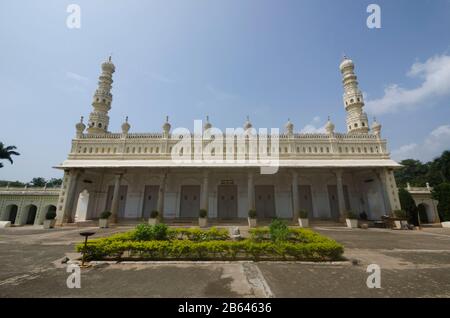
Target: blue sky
point(272, 60)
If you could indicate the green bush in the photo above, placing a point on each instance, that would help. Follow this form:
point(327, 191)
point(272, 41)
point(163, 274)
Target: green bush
point(50, 215)
point(195, 234)
point(351, 215)
point(303, 214)
point(105, 215)
point(146, 232)
point(279, 231)
point(441, 193)
point(203, 213)
point(154, 214)
point(223, 250)
point(252, 214)
point(157, 242)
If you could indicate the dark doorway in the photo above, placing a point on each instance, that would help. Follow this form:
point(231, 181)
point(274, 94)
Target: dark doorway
point(31, 215)
point(227, 201)
point(334, 202)
point(422, 208)
point(150, 200)
point(190, 201)
point(122, 199)
point(305, 199)
point(12, 213)
point(265, 201)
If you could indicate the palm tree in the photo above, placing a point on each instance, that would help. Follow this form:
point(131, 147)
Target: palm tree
point(7, 152)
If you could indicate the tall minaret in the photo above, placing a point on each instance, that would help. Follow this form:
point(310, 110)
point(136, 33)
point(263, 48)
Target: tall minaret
point(99, 119)
point(353, 99)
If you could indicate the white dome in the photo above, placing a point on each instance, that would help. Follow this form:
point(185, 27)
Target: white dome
point(248, 124)
point(289, 124)
point(329, 127)
point(346, 63)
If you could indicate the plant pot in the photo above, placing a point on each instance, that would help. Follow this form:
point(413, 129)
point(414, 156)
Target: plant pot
point(49, 224)
point(203, 222)
point(397, 224)
point(251, 222)
point(103, 223)
point(153, 221)
point(303, 222)
point(352, 223)
point(445, 224)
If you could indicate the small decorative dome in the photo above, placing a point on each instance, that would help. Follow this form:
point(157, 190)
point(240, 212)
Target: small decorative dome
point(248, 124)
point(289, 127)
point(329, 127)
point(207, 124)
point(166, 127)
point(376, 127)
point(375, 124)
point(80, 126)
point(125, 126)
point(108, 65)
point(346, 62)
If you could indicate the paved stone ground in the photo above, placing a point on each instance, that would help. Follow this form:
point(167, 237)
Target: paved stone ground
point(413, 264)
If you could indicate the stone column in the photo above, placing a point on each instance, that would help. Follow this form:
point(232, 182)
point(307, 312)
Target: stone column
point(340, 193)
point(381, 176)
point(205, 192)
point(162, 190)
point(64, 215)
point(295, 199)
point(116, 200)
point(251, 191)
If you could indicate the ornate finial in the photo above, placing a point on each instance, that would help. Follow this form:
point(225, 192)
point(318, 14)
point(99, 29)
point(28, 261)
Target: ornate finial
point(167, 119)
point(329, 117)
point(126, 126)
point(81, 119)
point(207, 124)
point(110, 58)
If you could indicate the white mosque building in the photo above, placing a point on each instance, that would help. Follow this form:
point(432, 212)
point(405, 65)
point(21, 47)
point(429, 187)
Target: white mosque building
point(132, 174)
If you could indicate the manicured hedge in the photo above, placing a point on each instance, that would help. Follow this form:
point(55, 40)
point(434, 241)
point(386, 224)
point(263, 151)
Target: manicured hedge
point(298, 235)
point(213, 244)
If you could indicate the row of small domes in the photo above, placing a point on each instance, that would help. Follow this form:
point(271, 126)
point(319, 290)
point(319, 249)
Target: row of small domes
point(289, 126)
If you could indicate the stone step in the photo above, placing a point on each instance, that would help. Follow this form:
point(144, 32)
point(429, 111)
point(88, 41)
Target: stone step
point(432, 225)
point(87, 223)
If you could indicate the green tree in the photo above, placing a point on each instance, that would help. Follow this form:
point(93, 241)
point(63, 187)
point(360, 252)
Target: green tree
point(7, 152)
point(413, 171)
point(4, 183)
point(440, 168)
point(441, 193)
point(54, 182)
point(408, 204)
point(38, 182)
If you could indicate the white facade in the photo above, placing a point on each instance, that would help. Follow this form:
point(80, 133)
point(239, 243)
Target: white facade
point(133, 173)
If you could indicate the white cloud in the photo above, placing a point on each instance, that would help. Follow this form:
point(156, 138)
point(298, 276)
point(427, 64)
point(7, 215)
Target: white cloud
point(435, 75)
point(77, 77)
point(434, 144)
point(312, 128)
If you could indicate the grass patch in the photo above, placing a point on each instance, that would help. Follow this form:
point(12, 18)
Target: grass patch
point(158, 242)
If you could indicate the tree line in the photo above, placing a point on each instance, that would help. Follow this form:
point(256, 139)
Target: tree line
point(38, 182)
point(418, 174)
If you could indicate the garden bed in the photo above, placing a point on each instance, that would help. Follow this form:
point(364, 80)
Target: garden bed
point(158, 242)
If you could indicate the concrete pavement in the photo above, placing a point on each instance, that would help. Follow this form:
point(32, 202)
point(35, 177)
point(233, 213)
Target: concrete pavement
point(413, 264)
